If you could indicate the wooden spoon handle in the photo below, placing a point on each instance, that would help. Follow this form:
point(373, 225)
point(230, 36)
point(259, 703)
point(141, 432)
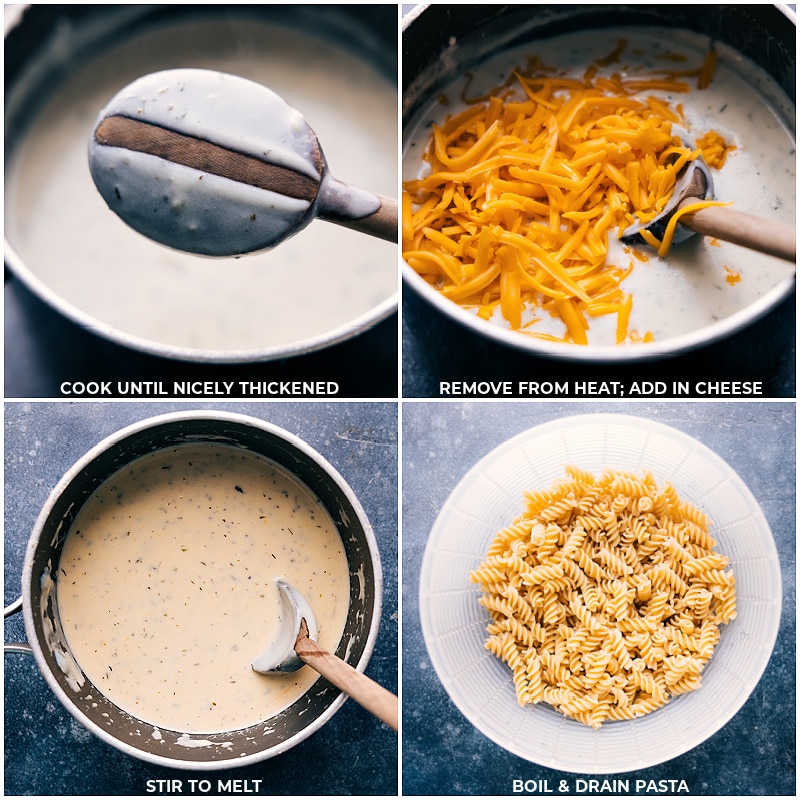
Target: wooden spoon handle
point(381, 224)
point(764, 235)
point(377, 700)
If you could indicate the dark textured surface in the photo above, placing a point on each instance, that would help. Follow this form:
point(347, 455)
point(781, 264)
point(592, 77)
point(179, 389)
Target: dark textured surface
point(49, 753)
point(442, 753)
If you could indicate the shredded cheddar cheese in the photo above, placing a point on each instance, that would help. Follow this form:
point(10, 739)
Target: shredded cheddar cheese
point(529, 182)
point(732, 276)
point(715, 149)
point(669, 232)
point(706, 74)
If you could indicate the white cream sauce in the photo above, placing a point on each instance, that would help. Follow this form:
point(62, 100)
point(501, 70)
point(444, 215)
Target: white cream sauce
point(689, 289)
point(193, 210)
point(166, 585)
point(324, 279)
point(199, 212)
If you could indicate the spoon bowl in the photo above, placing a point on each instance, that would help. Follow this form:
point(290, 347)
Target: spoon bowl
point(216, 165)
point(296, 645)
point(280, 655)
point(695, 184)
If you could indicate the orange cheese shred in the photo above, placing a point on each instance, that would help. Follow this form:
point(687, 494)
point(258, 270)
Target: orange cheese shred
point(707, 69)
point(528, 184)
point(669, 231)
point(715, 149)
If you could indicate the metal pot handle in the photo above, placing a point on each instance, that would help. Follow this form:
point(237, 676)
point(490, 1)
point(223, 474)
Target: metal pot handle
point(15, 647)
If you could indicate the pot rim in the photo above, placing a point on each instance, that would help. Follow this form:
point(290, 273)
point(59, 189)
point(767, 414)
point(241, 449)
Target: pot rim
point(627, 354)
point(104, 445)
point(597, 354)
point(341, 333)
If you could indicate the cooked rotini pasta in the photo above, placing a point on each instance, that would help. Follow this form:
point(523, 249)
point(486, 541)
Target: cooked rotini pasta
point(605, 595)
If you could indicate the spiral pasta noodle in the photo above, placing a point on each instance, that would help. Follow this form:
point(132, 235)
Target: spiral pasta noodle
point(606, 596)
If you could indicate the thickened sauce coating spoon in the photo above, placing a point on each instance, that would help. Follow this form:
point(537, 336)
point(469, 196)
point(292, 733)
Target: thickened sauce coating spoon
point(217, 165)
point(695, 183)
point(296, 646)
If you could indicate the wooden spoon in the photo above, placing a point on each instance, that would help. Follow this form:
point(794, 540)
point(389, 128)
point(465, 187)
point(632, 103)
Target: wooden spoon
point(277, 657)
point(695, 183)
point(218, 165)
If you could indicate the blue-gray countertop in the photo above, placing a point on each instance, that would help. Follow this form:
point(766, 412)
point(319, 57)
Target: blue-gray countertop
point(47, 752)
point(442, 753)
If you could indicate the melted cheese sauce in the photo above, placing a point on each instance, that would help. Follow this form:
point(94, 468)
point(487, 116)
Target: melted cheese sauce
point(326, 278)
point(690, 288)
point(166, 587)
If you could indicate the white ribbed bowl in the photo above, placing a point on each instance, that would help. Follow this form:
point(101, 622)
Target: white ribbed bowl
point(490, 496)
